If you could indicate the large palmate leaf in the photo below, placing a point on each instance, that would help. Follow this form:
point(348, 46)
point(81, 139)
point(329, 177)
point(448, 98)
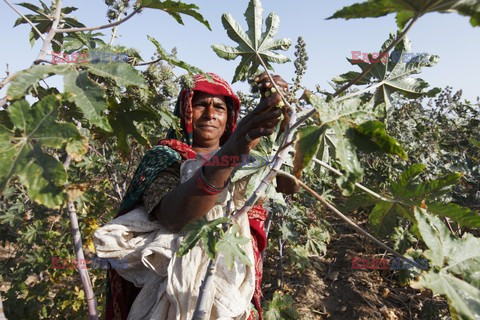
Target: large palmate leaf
point(231, 246)
point(170, 58)
point(253, 44)
point(372, 136)
point(407, 9)
point(456, 265)
point(77, 41)
point(22, 155)
point(202, 229)
point(122, 73)
point(339, 118)
point(409, 192)
point(393, 75)
point(88, 97)
point(175, 8)
point(123, 118)
point(383, 217)
point(24, 80)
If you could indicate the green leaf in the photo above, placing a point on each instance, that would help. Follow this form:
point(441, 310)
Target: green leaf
point(407, 178)
point(253, 45)
point(345, 153)
point(464, 216)
point(22, 155)
point(170, 58)
point(393, 75)
point(307, 143)
point(230, 246)
point(456, 262)
point(407, 9)
point(123, 120)
point(88, 96)
point(340, 117)
point(374, 131)
point(317, 240)
point(199, 229)
point(383, 217)
point(474, 142)
point(122, 73)
point(24, 80)
point(175, 8)
point(432, 187)
point(281, 308)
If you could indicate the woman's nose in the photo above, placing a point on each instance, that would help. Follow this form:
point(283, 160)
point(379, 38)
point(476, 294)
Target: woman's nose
point(209, 111)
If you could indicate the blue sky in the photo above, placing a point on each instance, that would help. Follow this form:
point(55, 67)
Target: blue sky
point(329, 42)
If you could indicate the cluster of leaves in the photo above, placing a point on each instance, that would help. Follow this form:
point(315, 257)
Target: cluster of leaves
point(441, 134)
point(280, 307)
point(104, 119)
point(108, 112)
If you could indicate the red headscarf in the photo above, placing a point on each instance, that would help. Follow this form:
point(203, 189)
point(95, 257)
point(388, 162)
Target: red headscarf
point(215, 86)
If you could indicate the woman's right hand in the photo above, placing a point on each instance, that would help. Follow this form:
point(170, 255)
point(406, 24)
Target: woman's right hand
point(258, 123)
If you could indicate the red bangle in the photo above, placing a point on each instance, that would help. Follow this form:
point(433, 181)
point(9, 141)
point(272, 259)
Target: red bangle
point(207, 186)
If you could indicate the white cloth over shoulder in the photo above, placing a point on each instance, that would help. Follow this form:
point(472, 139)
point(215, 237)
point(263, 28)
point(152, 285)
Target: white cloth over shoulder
point(170, 284)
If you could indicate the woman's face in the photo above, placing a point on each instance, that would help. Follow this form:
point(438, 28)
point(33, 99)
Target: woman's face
point(210, 115)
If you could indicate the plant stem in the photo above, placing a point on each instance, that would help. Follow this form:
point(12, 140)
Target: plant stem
point(114, 30)
point(25, 18)
point(373, 193)
point(48, 39)
point(284, 99)
point(147, 63)
point(105, 26)
point(347, 220)
point(206, 286)
point(77, 243)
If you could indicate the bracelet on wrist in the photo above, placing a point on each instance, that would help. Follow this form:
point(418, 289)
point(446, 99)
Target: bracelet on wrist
point(206, 185)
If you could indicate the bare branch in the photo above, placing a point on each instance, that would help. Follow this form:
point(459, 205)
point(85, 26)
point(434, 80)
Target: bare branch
point(373, 193)
point(25, 18)
point(147, 63)
point(7, 80)
point(38, 61)
point(105, 26)
point(347, 220)
point(77, 243)
point(47, 41)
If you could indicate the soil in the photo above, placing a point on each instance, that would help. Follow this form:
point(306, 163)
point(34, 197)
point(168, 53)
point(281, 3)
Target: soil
point(331, 289)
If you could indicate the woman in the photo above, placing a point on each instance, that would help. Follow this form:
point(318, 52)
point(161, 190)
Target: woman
point(170, 189)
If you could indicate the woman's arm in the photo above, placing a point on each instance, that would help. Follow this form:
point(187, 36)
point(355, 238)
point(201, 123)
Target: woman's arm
point(188, 201)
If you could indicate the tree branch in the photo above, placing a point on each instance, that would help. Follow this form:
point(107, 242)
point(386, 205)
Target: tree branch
point(105, 26)
point(25, 18)
point(284, 99)
point(147, 63)
point(373, 193)
point(352, 224)
point(47, 41)
point(77, 243)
